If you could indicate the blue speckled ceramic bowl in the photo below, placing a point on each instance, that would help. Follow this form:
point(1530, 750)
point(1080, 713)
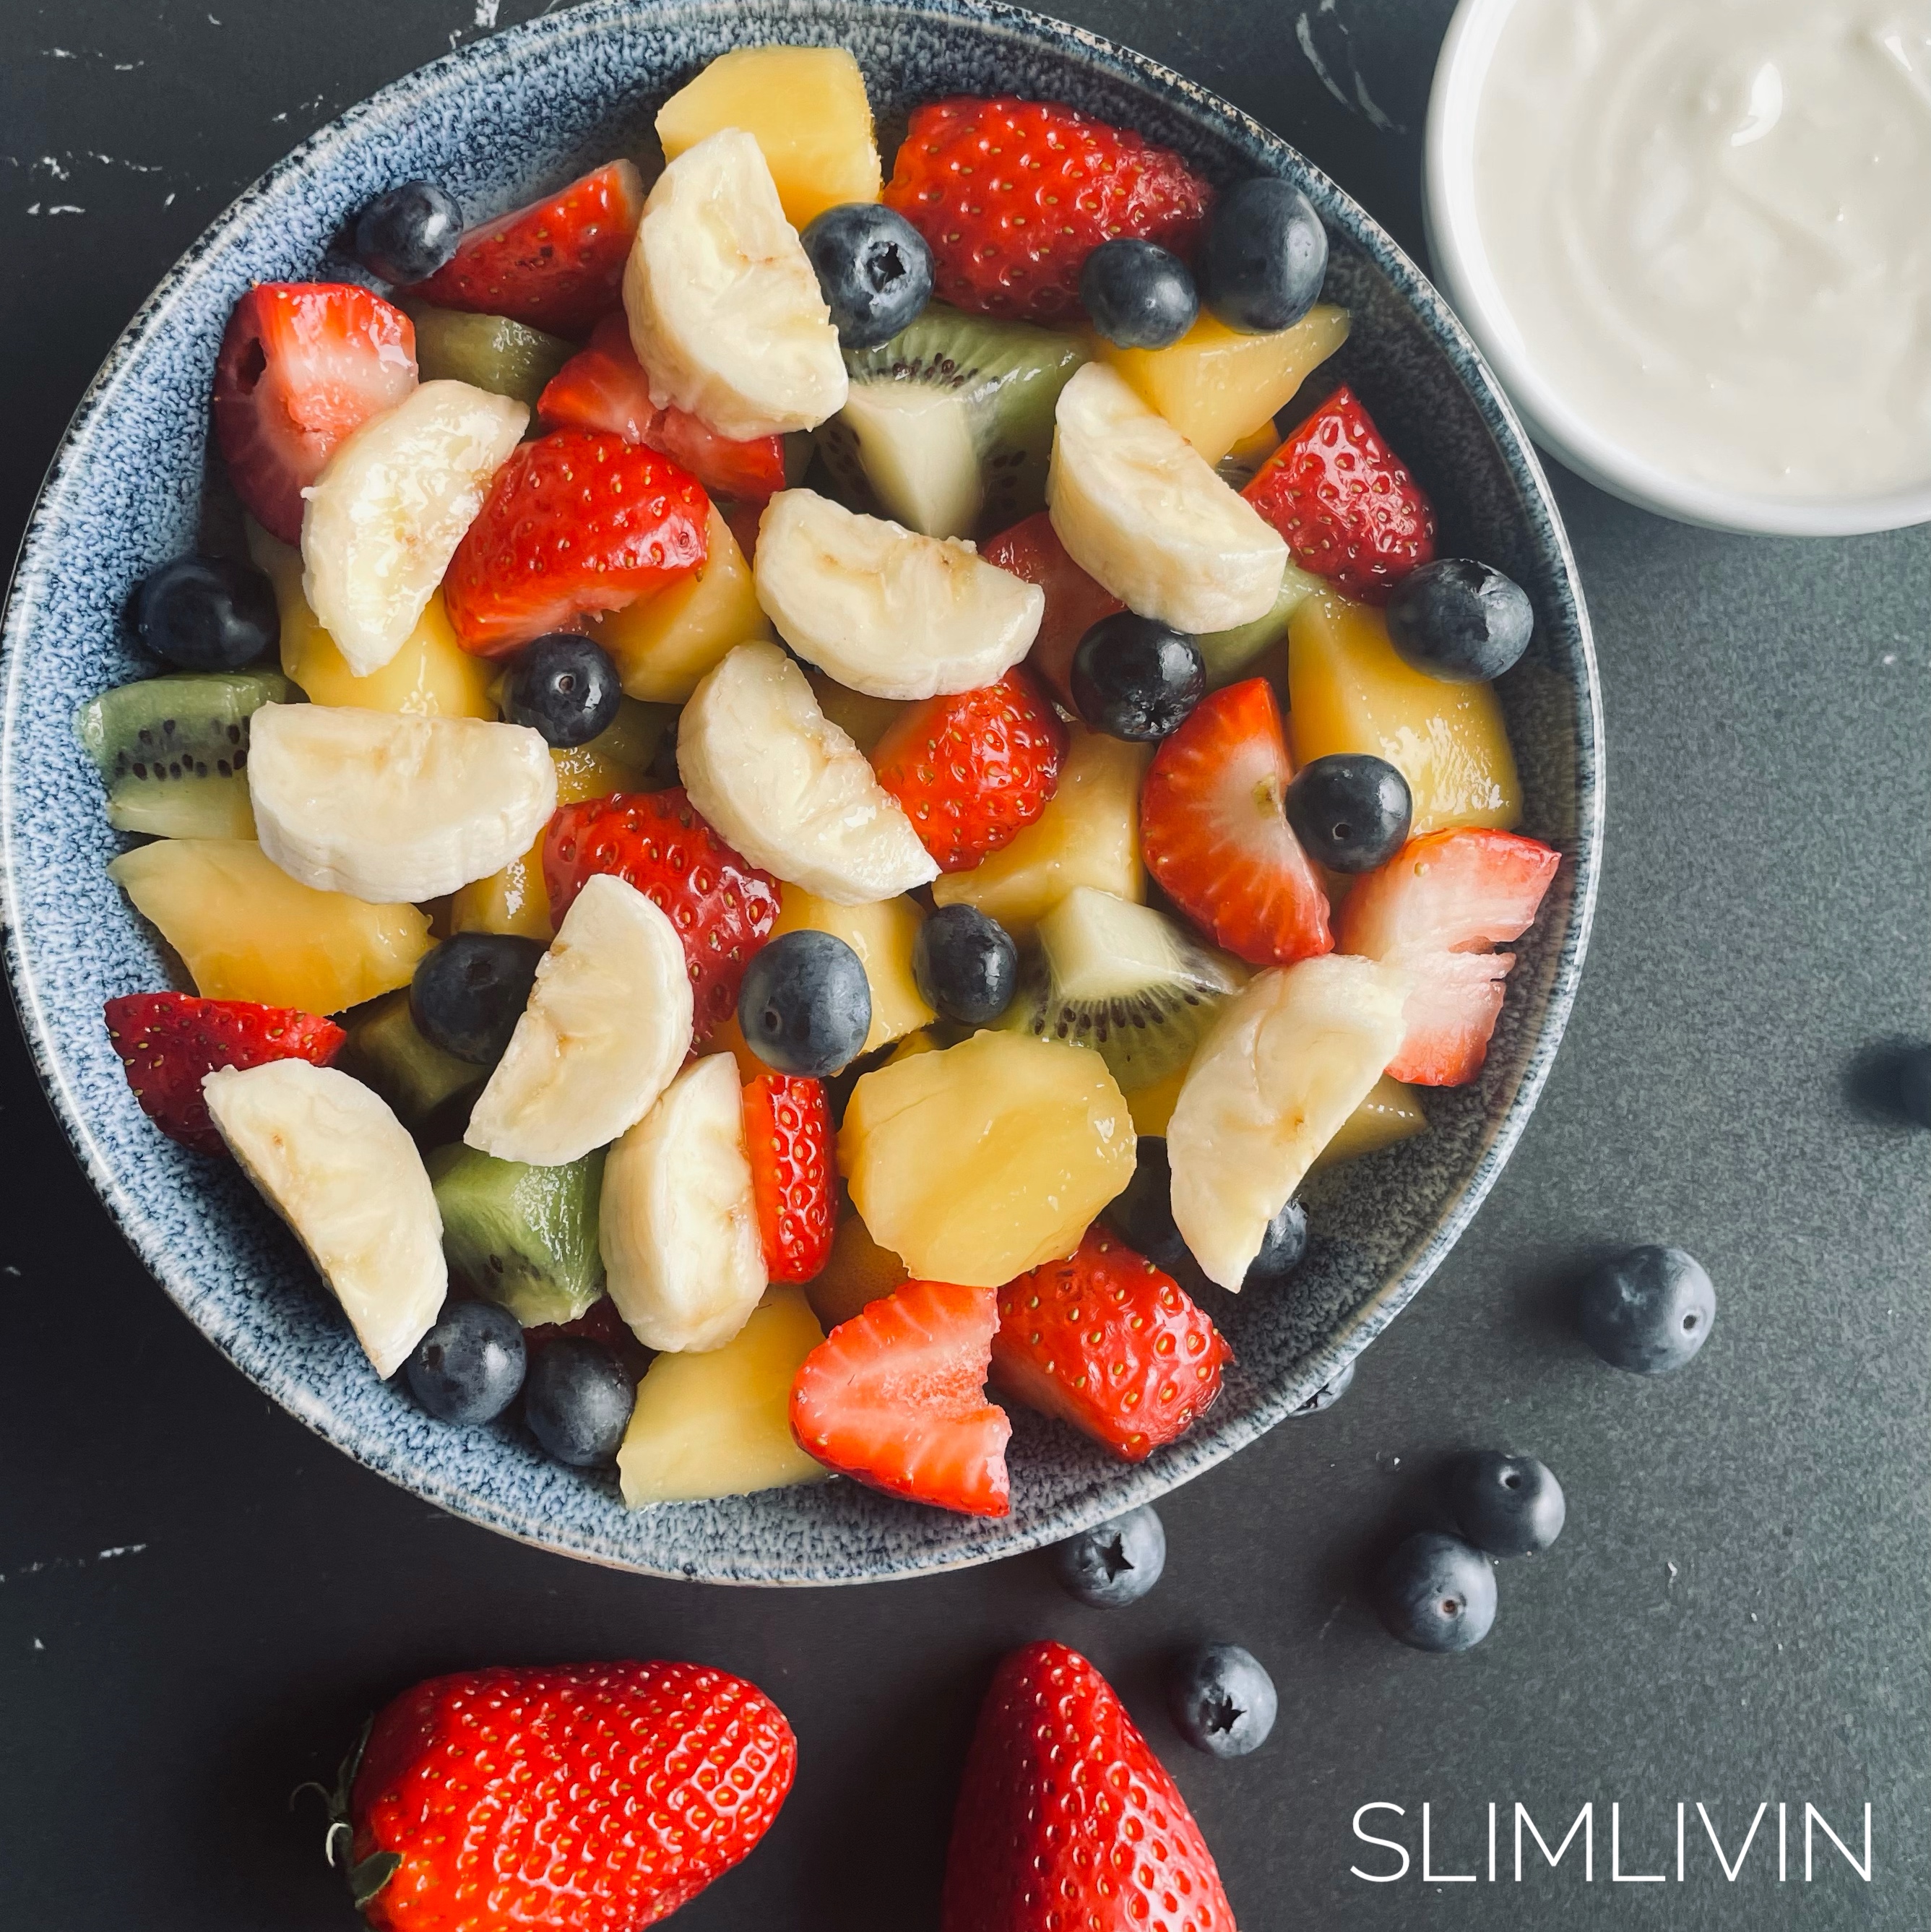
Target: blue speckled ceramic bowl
point(496, 122)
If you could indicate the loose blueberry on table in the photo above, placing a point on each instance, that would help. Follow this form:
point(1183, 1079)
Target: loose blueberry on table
point(1436, 1592)
point(1508, 1505)
point(1649, 1309)
point(1222, 1700)
point(1115, 1563)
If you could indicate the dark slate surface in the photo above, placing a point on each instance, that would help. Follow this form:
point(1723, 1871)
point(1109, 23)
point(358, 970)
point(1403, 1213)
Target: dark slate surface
point(198, 1601)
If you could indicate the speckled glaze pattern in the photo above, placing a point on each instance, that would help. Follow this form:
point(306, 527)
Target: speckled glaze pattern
point(496, 122)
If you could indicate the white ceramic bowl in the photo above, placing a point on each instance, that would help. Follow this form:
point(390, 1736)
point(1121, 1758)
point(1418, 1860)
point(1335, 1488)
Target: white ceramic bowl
point(1463, 274)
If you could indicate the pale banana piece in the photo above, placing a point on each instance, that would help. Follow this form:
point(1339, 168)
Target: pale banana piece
point(789, 789)
point(607, 1025)
point(385, 516)
point(390, 807)
point(677, 1221)
point(1139, 509)
point(1286, 1063)
point(883, 609)
point(341, 1169)
point(724, 305)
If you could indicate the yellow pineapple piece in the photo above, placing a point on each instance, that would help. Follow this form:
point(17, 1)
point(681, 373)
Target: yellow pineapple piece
point(864, 720)
point(246, 931)
point(514, 900)
point(1349, 691)
point(858, 1272)
point(719, 1423)
point(882, 935)
point(979, 1162)
point(1218, 387)
point(805, 107)
point(1089, 835)
point(1152, 1107)
point(1390, 1113)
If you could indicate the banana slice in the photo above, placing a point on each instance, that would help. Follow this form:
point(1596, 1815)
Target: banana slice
point(677, 1222)
point(385, 515)
point(1138, 507)
point(341, 1169)
point(883, 609)
point(1287, 1061)
point(389, 807)
point(789, 789)
point(724, 308)
point(608, 1023)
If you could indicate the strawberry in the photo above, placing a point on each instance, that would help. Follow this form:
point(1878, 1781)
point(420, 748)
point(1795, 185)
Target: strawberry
point(603, 387)
point(168, 1041)
point(896, 1397)
point(1012, 196)
point(1106, 1342)
point(787, 1134)
point(301, 365)
point(723, 907)
point(581, 1797)
point(1345, 501)
point(558, 264)
point(1074, 603)
point(1216, 836)
point(1436, 908)
point(577, 521)
point(1066, 1819)
point(973, 770)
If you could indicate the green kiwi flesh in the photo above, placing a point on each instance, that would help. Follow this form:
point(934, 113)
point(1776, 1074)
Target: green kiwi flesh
point(385, 1050)
point(1232, 655)
point(526, 1236)
point(488, 352)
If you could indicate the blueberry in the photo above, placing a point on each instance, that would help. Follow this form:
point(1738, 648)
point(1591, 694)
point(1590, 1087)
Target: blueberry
point(1143, 1211)
point(1134, 677)
point(874, 269)
point(468, 993)
point(207, 613)
point(1329, 1393)
point(577, 1400)
point(1459, 621)
point(805, 1005)
point(563, 687)
point(469, 1367)
point(1436, 1592)
point(407, 234)
point(1115, 1563)
point(1221, 1701)
point(1647, 1310)
point(1265, 257)
point(1352, 811)
point(965, 965)
point(1138, 294)
point(1913, 1083)
point(1508, 1505)
point(1282, 1247)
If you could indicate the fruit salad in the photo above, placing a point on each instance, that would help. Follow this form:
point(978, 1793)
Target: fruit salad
point(819, 788)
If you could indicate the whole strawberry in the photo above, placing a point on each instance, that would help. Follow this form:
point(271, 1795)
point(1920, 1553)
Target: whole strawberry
point(787, 1135)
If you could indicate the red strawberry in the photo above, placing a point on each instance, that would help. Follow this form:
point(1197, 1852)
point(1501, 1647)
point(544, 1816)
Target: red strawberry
point(1106, 1342)
point(1436, 907)
point(1065, 1819)
point(788, 1133)
point(1345, 502)
point(1215, 835)
point(575, 522)
point(723, 907)
point(168, 1041)
point(1074, 603)
point(896, 1397)
point(558, 264)
point(1013, 196)
point(302, 364)
point(580, 1797)
point(974, 770)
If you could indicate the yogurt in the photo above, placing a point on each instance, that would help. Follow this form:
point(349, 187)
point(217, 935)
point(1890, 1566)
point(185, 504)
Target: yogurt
point(1708, 224)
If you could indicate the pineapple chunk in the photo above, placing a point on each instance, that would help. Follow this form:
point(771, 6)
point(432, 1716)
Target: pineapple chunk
point(974, 1164)
point(719, 1424)
point(858, 1272)
point(1390, 1113)
point(865, 720)
point(1349, 691)
point(883, 935)
point(1089, 835)
point(1218, 387)
point(514, 900)
point(1152, 1107)
point(805, 107)
point(246, 931)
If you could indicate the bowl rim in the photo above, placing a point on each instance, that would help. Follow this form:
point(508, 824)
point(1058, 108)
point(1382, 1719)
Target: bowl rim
point(1463, 269)
point(1125, 1485)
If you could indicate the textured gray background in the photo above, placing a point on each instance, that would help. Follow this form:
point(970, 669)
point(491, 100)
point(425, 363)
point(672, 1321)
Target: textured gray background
point(198, 1601)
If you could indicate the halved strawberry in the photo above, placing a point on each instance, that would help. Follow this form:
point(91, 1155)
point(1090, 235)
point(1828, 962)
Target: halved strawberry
point(1435, 909)
point(557, 265)
point(1216, 836)
point(787, 1134)
point(896, 1398)
point(302, 365)
point(1074, 602)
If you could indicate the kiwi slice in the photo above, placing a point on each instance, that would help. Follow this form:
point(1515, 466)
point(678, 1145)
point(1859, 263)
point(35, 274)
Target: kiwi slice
point(526, 1236)
point(1231, 654)
point(172, 751)
point(488, 352)
point(386, 1051)
point(1123, 979)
